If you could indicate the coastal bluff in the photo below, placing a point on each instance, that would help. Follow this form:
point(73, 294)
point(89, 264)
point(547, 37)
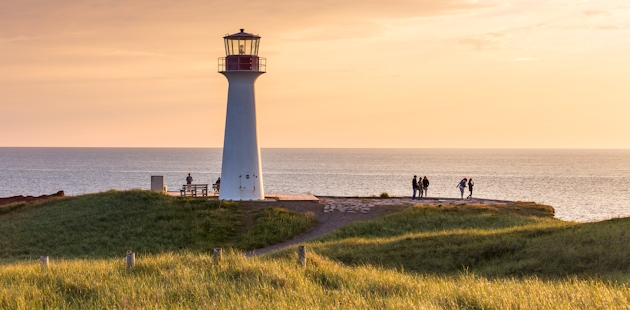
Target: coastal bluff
point(14, 199)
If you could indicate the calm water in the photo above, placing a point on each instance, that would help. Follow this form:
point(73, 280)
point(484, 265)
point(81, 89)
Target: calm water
point(582, 185)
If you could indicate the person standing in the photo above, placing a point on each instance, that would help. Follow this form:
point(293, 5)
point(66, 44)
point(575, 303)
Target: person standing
point(414, 185)
point(470, 187)
point(189, 179)
point(462, 186)
point(425, 185)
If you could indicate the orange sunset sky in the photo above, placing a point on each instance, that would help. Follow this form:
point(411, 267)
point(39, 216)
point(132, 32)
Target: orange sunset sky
point(398, 73)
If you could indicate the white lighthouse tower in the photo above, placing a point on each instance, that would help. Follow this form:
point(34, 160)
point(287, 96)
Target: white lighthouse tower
point(241, 171)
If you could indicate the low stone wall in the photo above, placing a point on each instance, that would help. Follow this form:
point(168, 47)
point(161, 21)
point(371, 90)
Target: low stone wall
point(8, 200)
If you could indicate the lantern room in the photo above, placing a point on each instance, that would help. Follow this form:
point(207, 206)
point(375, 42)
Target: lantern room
point(241, 50)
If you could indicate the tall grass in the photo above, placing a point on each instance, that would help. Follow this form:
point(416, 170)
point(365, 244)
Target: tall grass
point(488, 240)
point(274, 225)
point(188, 280)
point(426, 257)
point(105, 224)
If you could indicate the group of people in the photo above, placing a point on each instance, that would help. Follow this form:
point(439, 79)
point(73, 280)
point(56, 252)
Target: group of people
point(462, 187)
point(421, 186)
point(189, 180)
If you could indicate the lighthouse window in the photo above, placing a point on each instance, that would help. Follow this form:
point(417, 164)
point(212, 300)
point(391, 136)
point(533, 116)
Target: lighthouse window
point(241, 45)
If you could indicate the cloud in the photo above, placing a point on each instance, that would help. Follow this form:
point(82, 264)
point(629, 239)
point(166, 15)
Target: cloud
point(18, 39)
point(610, 27)
point(596, 13)
point(491, 40)
point(113, 52)
point(37, 17)
point(523, 59)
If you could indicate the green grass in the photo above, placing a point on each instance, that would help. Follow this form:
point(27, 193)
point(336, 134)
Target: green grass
point(188, 280)
point(274, 225)
point(425, 257)
point(522, 240)
point(106, 224)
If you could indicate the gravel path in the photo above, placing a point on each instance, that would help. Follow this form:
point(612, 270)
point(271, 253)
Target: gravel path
point(335, 212)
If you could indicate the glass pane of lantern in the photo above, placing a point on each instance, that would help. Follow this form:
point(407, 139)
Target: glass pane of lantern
point(255, 47)
point(241, 47)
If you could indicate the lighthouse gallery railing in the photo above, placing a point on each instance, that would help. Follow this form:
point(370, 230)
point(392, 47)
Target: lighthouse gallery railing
point(242, 63)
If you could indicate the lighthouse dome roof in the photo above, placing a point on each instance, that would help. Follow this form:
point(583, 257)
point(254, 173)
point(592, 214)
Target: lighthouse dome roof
point(242, 35)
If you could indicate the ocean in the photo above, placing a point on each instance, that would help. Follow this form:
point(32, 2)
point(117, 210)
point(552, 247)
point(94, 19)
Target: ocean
point(582, 185)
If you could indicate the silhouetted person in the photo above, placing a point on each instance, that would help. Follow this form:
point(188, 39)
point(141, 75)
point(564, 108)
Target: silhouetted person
point(470, 187)
point(425, 185)
point(189, 179)
point(218, 183)
point(462, 186)
point(414, 185)
point(420, 188)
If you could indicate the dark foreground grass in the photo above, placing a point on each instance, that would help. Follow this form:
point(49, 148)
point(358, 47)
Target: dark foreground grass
point(106, 224)
point(520, 240)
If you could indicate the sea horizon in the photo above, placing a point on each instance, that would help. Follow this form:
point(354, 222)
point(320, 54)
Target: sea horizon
point(581, 184)
point(342, 148)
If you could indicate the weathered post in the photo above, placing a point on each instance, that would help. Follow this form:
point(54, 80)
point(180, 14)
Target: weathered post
point(43, 260)
point(217, 255)
point(302, 255)
point(131, 259)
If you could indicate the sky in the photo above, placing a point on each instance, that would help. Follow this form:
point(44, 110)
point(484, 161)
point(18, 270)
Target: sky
point(355, 73)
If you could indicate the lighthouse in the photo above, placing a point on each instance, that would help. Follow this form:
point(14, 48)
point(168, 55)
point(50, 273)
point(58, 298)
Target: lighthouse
point(241, 170)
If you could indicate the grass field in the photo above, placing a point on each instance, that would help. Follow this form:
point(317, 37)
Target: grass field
point(486, 240)
point(424, 257)
point(107, 224)
point(192, 281)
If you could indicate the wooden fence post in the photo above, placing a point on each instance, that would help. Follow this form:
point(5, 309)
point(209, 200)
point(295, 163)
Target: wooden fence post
point(131, 259)
point(302, 255)
point(43, 260)
point(217, 255)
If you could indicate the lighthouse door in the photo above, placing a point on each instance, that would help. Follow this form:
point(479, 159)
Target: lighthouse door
point(247, 182)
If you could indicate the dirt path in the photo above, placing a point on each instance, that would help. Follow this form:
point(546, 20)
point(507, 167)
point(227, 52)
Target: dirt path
point(327, 221)
point(329, 217)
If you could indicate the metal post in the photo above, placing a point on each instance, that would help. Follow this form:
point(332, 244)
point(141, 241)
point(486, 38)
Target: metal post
point(43, 260)
point(217, 255)
point(302, 255)
point(131, 259)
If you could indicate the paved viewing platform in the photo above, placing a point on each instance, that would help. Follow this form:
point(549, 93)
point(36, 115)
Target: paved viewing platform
point(268, 197)
point(364, 204)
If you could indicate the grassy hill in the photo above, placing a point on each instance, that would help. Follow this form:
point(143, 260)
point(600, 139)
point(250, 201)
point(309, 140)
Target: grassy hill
point(106, 224)
point(521, 240)
point(425, 257)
